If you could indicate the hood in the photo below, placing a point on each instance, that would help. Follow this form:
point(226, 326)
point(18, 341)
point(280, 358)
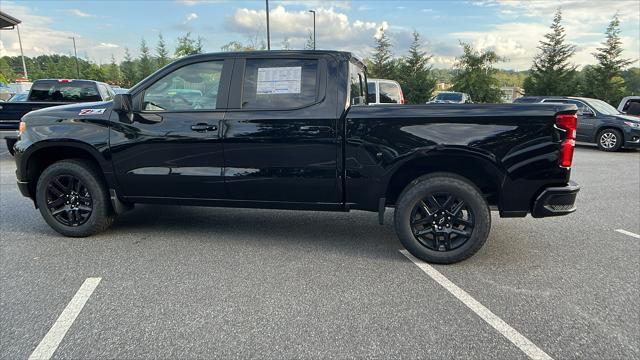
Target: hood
point(91, 110)
point(631, 118)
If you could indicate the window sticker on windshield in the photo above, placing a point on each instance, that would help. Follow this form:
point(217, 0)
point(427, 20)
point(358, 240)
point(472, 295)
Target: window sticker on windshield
point(91, 111)
point(279, 80)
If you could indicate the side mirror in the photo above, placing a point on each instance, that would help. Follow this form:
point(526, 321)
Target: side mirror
point(122, 103)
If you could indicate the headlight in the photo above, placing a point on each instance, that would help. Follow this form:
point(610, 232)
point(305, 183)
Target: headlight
point(22, 127)
point(634, 125)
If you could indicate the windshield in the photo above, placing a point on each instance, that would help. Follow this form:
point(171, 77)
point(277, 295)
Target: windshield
point(449, 97)
point(603, 107)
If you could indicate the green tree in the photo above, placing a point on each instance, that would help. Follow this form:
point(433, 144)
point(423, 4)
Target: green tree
point(475, 75)
point(145, 65)
point(128, 69)
point(6, 71)
point(381, 64)
point(632, 80)
point(162, 54)
point(551, 72)
point(415, 75)
point(188, 46)
point(308, 45)
point(114, 76)
point(607, 74)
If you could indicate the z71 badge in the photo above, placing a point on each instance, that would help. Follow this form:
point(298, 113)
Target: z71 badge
point(91, 111)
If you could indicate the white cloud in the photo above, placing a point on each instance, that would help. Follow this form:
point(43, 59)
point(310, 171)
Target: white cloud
point(80, 13)
point(39, 37)
point(191, 16)
point(334, 30)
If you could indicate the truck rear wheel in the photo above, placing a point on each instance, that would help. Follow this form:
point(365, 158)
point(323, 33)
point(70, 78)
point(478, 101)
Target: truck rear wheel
point(442, 218)
point(73, 199)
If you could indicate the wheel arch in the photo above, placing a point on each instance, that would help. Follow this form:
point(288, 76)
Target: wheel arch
point(607, 126)
point(40, 155)
point(483, 173)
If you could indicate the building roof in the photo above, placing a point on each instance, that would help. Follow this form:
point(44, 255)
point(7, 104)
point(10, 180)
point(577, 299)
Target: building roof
point(8, 21)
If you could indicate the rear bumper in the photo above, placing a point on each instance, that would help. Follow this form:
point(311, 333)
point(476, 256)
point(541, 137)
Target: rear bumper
point(556, 201)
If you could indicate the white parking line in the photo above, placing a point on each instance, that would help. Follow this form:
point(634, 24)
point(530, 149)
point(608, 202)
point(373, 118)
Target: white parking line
point(529, 348)
point(50, 342)
point(621, 231)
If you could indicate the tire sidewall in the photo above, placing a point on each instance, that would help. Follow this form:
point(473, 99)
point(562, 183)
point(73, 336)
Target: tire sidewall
point(466, 192)
point(94, 186)
point(618, 136)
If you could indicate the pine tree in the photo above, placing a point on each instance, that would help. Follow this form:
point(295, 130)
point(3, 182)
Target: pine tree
point(551, 72)
point(415, 75)
point(309, 44)
point(113, 72)
point(607, 74)
point(162, 54)
point(381, 64)
point(145, 65)
point(128, 69)
point(475, 75)
point(188, 46)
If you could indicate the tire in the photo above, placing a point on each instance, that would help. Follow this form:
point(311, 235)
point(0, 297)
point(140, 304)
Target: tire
point(422, 225)
point(56, 200)
point(609, 140)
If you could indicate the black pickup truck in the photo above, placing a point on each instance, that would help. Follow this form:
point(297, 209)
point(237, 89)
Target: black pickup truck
point(46, 93)
point(292, 130)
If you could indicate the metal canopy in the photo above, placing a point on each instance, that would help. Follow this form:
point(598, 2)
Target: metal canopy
point(8, 21)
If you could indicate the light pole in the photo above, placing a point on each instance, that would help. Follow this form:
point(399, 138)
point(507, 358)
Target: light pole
point(24, 66)
point(268, 35)
point(314, 28)
point(75, 52)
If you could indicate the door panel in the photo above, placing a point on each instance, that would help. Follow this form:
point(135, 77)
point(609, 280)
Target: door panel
point(275, 158)
point(281, 140)
point(173, 147)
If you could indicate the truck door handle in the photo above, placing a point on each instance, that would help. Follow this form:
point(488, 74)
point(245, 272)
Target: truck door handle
point(203, 127)
point(315, 129)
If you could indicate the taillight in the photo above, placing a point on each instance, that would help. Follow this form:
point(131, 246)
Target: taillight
point(401, 97)
point(64, 81)
point(568, 123)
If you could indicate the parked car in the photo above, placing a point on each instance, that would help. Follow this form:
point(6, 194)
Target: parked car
point(626, 103)
point(598, 122)
point(46, 93)
point(451, 97)
point(292, 130)
point(22, 96)
point(383, 91)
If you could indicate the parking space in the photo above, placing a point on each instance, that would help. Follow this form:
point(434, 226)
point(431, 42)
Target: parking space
point(203, 282)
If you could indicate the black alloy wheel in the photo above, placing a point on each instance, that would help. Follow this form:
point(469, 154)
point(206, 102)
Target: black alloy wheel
point(69, 200)
point(442, 221)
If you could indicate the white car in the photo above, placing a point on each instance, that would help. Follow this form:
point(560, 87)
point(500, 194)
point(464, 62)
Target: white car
point(383, 91)
point(626, 103)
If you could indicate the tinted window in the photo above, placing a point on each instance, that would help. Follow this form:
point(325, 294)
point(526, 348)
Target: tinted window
point(389, 93)
point(71, 91)
point(457, 97)
point(104, 92)
point(371, 92)
point(628, 103)
point(279, 83)
point(192, 87)
point(582, 108)
point(357, 90)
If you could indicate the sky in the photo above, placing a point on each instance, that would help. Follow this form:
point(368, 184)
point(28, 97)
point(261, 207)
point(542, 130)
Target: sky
point(512, 28)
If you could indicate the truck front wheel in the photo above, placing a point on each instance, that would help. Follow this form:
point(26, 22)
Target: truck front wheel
point(72, 198)
point(442, 218)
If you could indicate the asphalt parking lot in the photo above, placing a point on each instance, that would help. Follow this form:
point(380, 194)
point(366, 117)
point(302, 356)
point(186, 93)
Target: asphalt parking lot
point(188, 282)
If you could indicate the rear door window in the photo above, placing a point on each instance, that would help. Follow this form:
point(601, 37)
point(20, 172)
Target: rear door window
point(357, 88)
point(280, 83)
point(389, 93)
point(371, 92)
